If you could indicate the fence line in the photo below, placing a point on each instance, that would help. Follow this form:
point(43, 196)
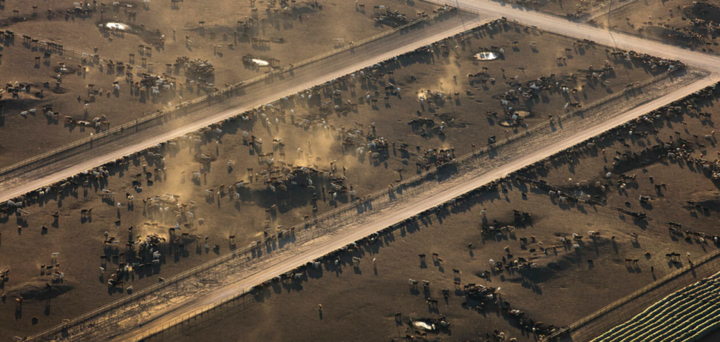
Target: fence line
point(226, 304)
point(222, 259)
point(705, 260)
point(308, 224)
point(224, 91)
point(183, 319)
point(186, 318)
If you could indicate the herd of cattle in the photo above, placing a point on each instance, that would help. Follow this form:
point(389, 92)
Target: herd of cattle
point(142, 253)
point(278, 175)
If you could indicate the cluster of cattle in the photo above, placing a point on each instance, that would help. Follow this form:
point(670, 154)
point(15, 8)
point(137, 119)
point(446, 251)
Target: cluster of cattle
point(97, 122)
point(687, 234)
point(112, 67)
point(677, 149)
point(45, 46)
point(196, 67)
point(704, 8)
point(580, 10)
point(138, 254)
point(277, 174)
point(671, 149)
point(534, 88)
point(436, 157)
point(700, 31)
point(70, 184)
point(482, 294)
point(156, 85)
point(427, 125)
point(332, 258)
point(150, 82)
point(383, 14)
point(651, 61)
point(709, 25)
point(16, 88)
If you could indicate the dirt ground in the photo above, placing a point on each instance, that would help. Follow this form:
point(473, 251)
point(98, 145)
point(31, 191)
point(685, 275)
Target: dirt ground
point(691, 24)
point(80, 240)
point(307, 31)
point(564, 8)
point(561, 287)
point(69, 99)
point(370, 296)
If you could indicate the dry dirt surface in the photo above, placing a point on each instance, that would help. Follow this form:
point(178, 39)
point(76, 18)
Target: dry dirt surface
point(153, 37)
point(534, 19)
point(203, 170)
point(662, 165)
point(570, 9)
point(693, 25)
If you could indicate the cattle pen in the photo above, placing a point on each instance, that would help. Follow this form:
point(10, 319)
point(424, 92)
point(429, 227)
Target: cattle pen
point(622, 310)
point(227, 101)
point(306, 232)
point(225, 301)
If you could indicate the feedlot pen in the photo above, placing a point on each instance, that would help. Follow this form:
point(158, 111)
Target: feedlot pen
point(626, 308)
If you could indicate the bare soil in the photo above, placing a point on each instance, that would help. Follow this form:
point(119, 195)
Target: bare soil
point(564, 8)
point(80, 240)
point(310, 29)
point(690, 24)
point(563, 286)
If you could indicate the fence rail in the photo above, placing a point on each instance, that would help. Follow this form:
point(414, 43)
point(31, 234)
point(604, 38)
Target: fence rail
point(709, 264)
point(185, 105)
point(308, 224)
point(222, 259)
point(463, 159)
point(226, 304)
point(379, 193)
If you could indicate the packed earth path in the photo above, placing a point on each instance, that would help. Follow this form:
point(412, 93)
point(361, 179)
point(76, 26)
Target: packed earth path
point(420, 203)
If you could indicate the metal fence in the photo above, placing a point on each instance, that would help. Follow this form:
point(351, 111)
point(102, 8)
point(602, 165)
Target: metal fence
point(307, 228)
point(627, 307)
point(473, 157)
point(220, 260)
point(195, 318)
point(308, 225)
point(583, 330)
point(184, 106)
